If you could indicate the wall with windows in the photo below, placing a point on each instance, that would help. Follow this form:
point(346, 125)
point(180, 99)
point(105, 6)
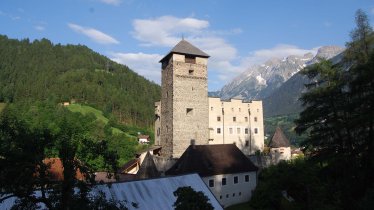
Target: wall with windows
point(231, 189)
point(236, 122)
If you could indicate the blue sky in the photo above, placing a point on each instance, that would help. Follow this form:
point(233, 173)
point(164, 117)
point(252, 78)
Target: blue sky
point(236, 34)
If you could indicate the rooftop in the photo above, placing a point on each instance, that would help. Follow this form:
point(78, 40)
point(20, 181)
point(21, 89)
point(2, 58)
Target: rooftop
point(208, 160)
point(279, 139)
point(186, 48)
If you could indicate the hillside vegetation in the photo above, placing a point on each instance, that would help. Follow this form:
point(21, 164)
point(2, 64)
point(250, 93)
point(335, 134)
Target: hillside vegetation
point(41, 70)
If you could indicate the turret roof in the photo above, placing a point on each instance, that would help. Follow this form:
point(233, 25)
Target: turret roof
point(279, 139)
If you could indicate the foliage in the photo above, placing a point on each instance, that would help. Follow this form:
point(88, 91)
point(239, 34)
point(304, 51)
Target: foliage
point(339, 118)
point(40, 70)
point(189, 199)
point(30, 134)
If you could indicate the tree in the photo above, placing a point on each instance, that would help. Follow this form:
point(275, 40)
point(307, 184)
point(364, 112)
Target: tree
point(189, 199)
point(29, 135)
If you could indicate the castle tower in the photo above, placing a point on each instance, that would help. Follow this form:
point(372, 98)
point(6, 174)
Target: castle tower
point(184, 99)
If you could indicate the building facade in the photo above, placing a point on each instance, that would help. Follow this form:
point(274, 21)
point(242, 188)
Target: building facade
point(237, 122)
point(185, 115)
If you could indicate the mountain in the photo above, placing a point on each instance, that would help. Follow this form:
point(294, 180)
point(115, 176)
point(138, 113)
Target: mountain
point(41, 70)
point(285, 100)
point(260, 81)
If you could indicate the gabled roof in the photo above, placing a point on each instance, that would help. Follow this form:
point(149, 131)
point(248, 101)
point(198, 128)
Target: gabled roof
point(186, 48)
point(128, 165)
point(148, 168)
point(209, 160)
point(279, 139)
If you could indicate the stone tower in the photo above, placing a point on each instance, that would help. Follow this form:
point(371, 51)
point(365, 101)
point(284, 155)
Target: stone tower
point(184, 99)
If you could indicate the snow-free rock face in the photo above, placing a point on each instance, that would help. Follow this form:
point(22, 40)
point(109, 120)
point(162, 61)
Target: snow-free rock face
point(260, 81)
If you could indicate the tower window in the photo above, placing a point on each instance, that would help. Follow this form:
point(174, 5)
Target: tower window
point(234, 119)
point(255, 119)
point(189, 111)
point(218, 119)
point(190, 59)
point(190, 72)
point(256, 130)
point(247, 143)
point(211, 108)
point(246, 119)
point(240, 109)
point(238, 130)
point(246, 131)
point(230, 130)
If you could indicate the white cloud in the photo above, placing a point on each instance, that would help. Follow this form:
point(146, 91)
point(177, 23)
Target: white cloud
point(112, 2)
point(93, 34)
point(144, 64)
point(224, 63)
point(39, 28)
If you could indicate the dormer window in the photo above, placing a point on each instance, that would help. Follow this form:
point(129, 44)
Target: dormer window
point(190, 59)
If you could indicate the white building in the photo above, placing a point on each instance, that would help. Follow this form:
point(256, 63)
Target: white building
point(280, 148)
point(228, 173)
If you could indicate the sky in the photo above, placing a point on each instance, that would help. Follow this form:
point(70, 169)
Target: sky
point(138, 33)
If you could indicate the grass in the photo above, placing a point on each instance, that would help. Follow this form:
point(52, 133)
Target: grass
point(2, 106)
point(86, 110)
point(241, 206)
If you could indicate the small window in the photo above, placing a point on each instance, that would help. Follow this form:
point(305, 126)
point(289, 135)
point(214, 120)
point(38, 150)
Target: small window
point(234, 119)
point(246, 131)
point(190, 72)
point(189, 111)
point(246, 143)
point(158, 131)
point(256, 130)
point(218, 119)
point(220, 197)
point(192, 141)
point(246, 178)
point(246, 119)
point(240, 109)
point(167, 94)
point(255, 119)
point(236, 179)
point(233, 195)
point(234, 143)
point(211, 108)
point(258, 110)
point(240, 193)
point(190, 59)
point(223, 181)
point(218, 130)
point(211, 183)
point(230, 130)
point(227, 195)
point(238, 130)
point(232, 109)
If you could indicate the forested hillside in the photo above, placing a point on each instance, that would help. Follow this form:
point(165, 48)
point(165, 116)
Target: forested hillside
point(42, 70)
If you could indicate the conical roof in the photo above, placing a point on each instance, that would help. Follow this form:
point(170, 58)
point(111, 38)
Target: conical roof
point(148, 168)
point(186, 48)
point(279, 139)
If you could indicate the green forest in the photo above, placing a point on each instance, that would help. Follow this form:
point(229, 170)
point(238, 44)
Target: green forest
point(41, 70)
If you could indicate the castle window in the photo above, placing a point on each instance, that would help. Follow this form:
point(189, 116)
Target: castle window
point(247, 143)
point(246, 178)
point(233, 195)
point(211, 108)
point(240, 193)
point(190, 72)
point(234, 119)
point(189, 111)
point(246, 119)
point(158, 131)
point(230, 130)
point(218, 130)
point(256, 130)
point(236, 179)
point(246, 131)
point(220, 197)
point(218, 119)
point(240, 109)
point(232, 109)
point(227, 195)
point(190, 59)
point(255, 119)
point(238, 130)
point(211, 183)
point(223, 181)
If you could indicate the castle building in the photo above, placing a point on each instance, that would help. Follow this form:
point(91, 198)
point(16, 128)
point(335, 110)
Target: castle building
point(186, 115)
point(280, 148)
